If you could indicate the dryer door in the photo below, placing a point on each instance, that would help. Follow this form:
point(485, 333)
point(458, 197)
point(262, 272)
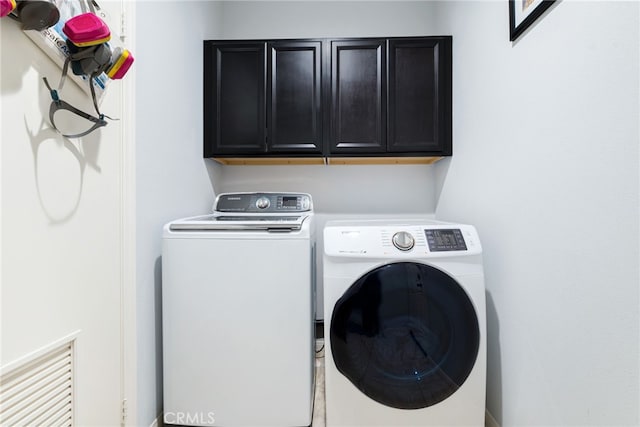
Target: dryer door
point(406, 334)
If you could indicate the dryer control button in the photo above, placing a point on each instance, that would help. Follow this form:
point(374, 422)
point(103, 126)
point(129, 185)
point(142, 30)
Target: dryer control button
point(403, 241)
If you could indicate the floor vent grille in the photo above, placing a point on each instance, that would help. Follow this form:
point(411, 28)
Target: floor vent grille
point(39, 392)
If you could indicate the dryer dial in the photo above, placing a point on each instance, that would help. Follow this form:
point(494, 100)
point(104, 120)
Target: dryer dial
point(403, 241)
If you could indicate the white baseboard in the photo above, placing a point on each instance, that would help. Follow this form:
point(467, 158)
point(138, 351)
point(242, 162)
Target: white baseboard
point(489, 421)
point(158, 421)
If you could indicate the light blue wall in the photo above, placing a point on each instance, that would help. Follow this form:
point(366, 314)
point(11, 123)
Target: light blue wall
point(336, 189)
point(172, 179)
point(546, 166)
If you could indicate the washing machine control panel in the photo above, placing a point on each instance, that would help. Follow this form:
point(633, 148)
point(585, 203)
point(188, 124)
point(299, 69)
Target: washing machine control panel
point(401, 240)
point(254, 203)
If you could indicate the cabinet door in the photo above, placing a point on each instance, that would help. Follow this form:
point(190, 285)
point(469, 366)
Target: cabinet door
point(419, 118)
point(294, 119)
point(234, 98)
point(358, 96)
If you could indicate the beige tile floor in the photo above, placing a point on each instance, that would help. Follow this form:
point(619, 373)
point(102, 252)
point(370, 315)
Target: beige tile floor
point(318, 404)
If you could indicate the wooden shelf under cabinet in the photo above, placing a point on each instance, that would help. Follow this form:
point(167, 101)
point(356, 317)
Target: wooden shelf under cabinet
point(259, 161)
point(262, 161)
point(382, 160)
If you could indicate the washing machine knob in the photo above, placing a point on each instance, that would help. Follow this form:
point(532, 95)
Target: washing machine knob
point(263, 203)
point(403, 241)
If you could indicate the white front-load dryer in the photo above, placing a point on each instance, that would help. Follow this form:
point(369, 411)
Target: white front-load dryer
point(405, 324)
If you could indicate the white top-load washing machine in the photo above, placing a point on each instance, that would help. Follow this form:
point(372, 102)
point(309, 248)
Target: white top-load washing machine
point(238, 313)
point(405, 328)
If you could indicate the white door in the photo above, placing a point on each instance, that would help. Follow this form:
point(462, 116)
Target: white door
point(62, 231)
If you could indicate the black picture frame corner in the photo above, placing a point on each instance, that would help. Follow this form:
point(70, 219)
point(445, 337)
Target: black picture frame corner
point(516, 29)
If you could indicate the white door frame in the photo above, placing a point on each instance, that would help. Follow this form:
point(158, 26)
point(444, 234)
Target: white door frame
point(128, 323)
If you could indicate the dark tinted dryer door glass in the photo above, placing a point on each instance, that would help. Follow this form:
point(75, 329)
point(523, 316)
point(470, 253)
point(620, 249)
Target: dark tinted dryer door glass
point(406, 335)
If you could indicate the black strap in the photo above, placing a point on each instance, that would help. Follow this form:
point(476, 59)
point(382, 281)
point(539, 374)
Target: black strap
point(59, 104)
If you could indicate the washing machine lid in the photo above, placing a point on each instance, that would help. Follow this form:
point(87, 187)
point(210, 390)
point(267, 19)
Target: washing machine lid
point(240, 223)
point(268, 211)
point(406, 334)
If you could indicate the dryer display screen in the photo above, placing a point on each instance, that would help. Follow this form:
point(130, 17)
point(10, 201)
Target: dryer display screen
point(445, 240)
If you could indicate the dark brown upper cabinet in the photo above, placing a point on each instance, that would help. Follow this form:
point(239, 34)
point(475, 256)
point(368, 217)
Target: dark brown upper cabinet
point(366, 97)
point(234, 98)
point(294, 118)
point(419, 114)
point(358, 96)
point(262, 98)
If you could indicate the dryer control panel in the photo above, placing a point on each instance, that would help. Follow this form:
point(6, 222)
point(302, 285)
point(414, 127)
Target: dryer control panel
point(402, 240)
point(445, 239)
point(262, 203)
